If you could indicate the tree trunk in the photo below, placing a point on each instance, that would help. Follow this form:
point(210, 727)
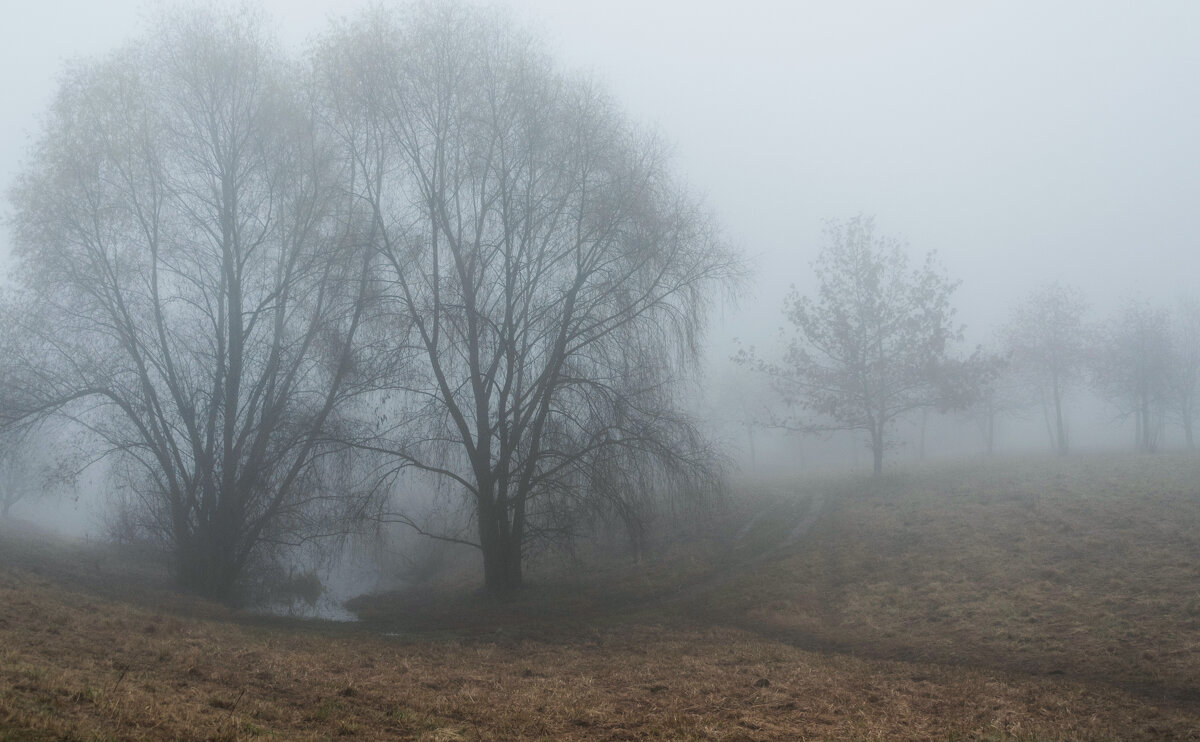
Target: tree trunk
point(1049, 426)
point(513, 577)
point(501, 549)
point(990, 432)
point(502, 573)
point(924, 427)
point(1058, 419)
point(877, 450)
point(208, 569)
point(1148, 434)
point(1137, 431)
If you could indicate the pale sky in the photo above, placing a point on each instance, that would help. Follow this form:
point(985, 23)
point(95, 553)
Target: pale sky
point(1025, 141)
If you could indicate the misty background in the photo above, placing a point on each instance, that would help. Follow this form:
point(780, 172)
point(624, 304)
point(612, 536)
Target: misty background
point(1024, 143)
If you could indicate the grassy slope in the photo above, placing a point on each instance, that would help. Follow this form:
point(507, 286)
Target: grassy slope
point(1087, 568)
point(1017, 600)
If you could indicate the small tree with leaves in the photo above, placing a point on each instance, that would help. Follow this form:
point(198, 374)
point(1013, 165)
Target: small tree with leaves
point(874, 343)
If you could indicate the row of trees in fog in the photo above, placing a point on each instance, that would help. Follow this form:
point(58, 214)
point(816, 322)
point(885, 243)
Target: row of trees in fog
point(1143, 360)
point(878, 343)
point(272, 290)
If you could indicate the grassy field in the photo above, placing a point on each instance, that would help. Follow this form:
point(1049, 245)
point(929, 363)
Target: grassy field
point(1008, 600)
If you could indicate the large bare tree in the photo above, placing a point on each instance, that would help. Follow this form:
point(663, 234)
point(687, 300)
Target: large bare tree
point(192, 286)
point(543, 282)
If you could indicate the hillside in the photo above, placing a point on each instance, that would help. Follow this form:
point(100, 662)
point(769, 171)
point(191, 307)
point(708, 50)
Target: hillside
point(1027, 599)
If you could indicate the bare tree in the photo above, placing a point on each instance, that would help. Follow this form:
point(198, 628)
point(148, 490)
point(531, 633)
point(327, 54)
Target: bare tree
point(1184, 382)
point(1133, 369)
point(742, 402)
point(874, 344)
point(193, 287)
point(1049, 344)
point(1000, 394)
point(544, 279)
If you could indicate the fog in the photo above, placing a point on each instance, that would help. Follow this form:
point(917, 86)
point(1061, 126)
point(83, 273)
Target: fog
point(1024, 143)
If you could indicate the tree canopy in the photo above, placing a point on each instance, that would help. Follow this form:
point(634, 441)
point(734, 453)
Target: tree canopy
point(423, 247)
point(542, 278)
point(193, 286)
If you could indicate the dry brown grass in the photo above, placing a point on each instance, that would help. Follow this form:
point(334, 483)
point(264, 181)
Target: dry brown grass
point(935, 605)
point(1087, 568)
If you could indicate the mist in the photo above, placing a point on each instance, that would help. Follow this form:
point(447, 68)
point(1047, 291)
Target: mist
point(1022, 144)
point(622, 369)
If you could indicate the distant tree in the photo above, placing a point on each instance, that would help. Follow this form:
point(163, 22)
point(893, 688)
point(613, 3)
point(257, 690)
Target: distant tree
point(1184, 382)
point(193, 288)
point(30, 466)
point(1049, 344)
point(741, 405)
point(543, 279)
point(1133, 369)
point(16, 471)
point(1000, 394)
point(875, 342)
